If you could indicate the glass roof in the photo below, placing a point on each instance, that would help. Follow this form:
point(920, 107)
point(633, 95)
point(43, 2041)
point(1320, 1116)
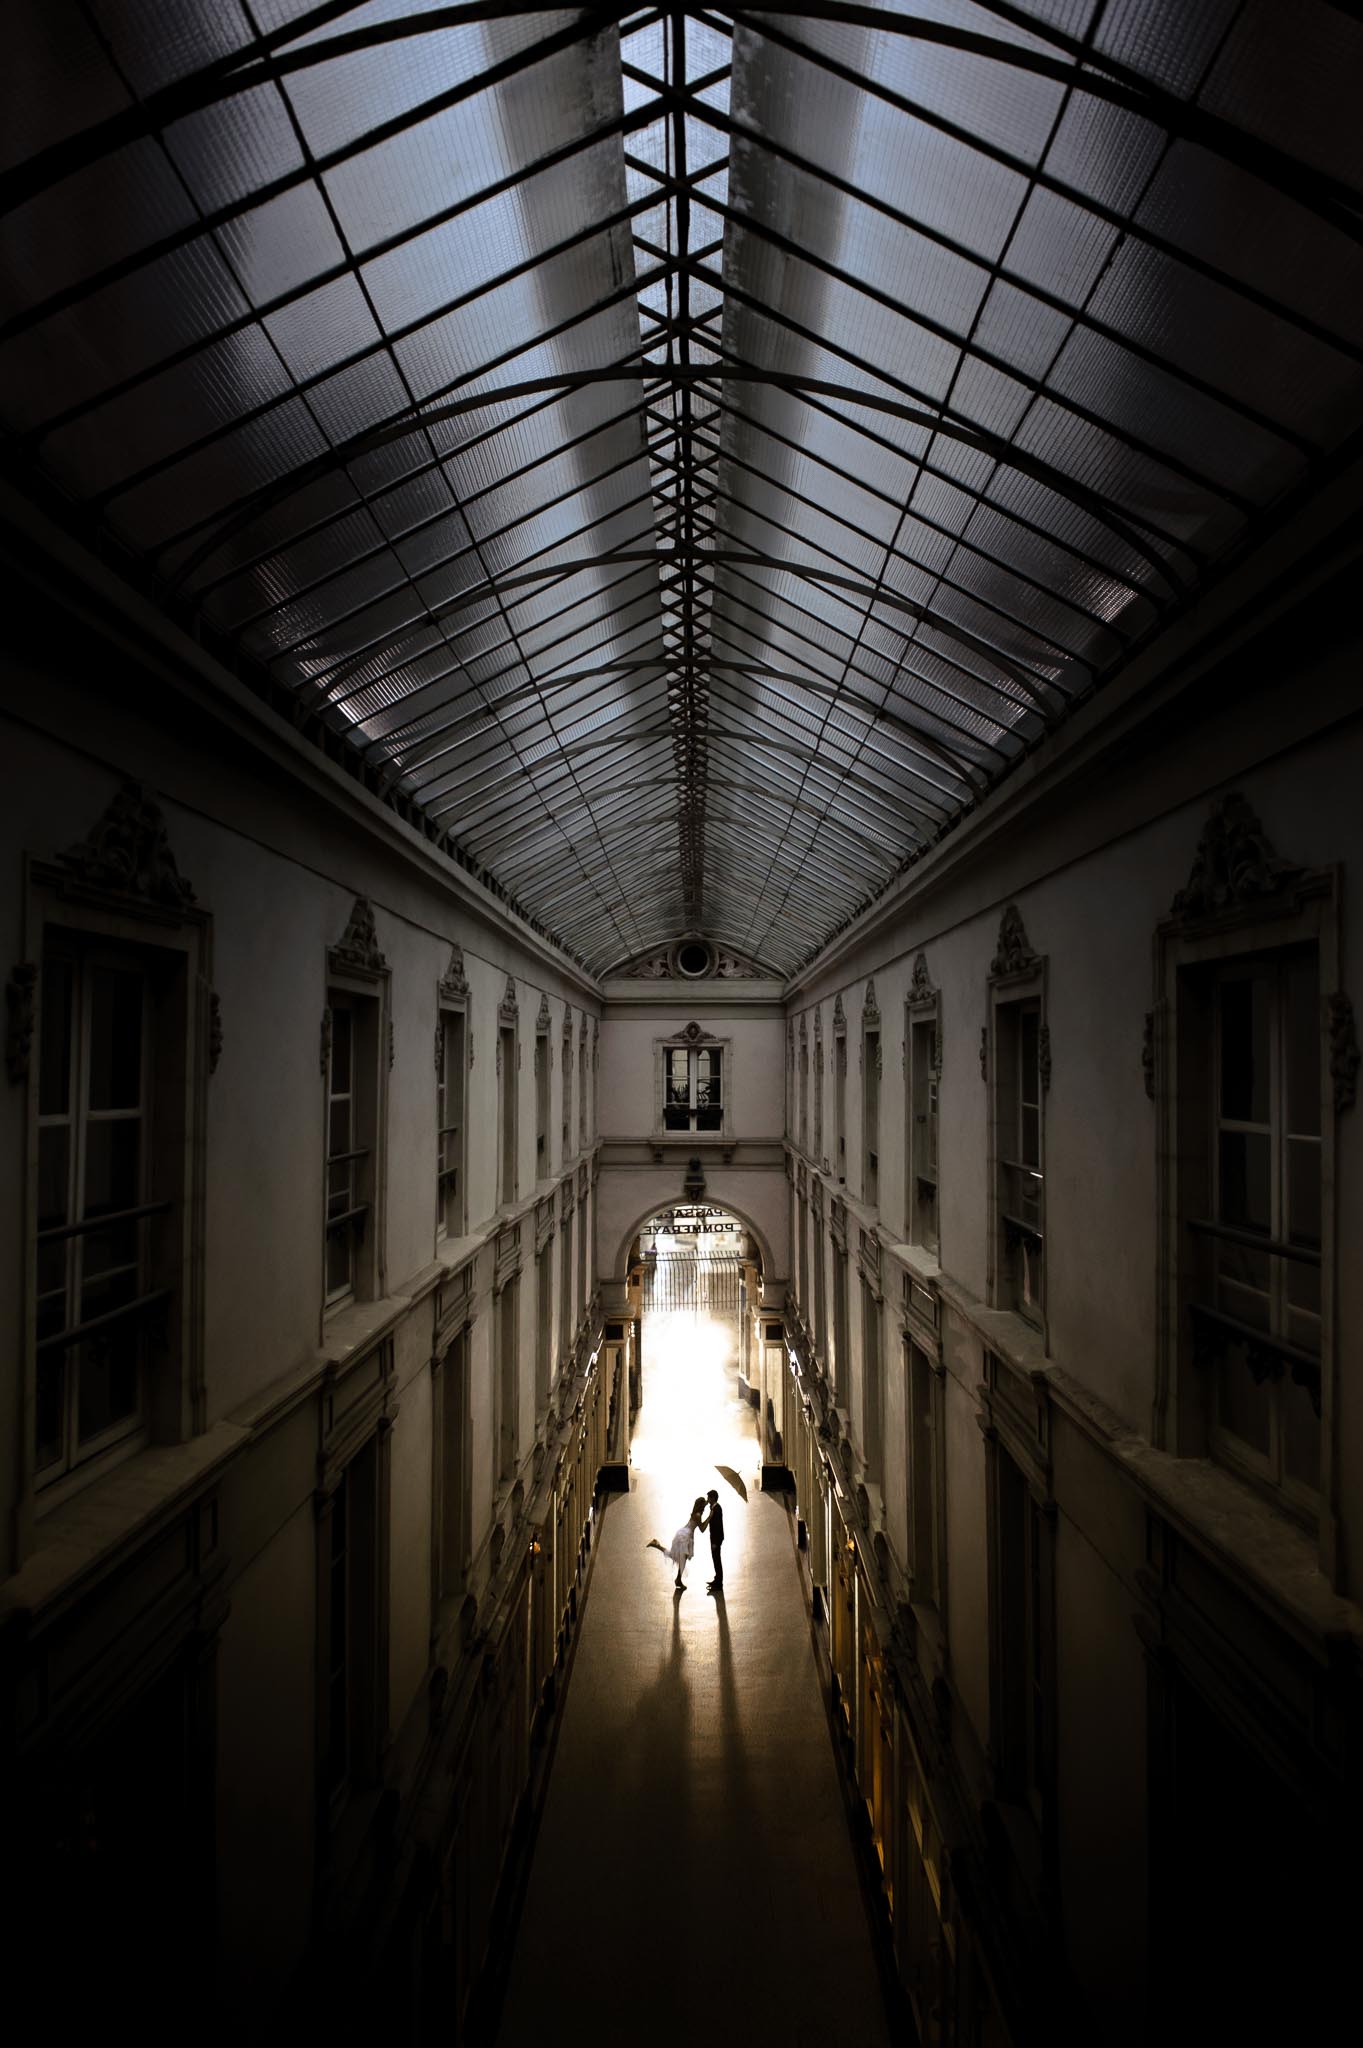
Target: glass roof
point(686, 457)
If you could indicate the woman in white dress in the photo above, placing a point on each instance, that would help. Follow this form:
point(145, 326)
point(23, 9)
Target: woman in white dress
point(683, 1544)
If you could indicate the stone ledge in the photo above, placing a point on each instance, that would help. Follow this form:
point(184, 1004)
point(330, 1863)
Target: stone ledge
point(90, 1533)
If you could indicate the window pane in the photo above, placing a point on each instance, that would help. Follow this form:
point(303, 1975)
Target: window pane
point(338, 1260)
point(50, 1401)
point(115, 1038)
point(1029, 1025)
point(1301, 1435)
point(1244, 1048)
point(53, 1153)
point(112, 1158)
point(54, 1064)
point(1302, 1043)
point(340, 1052)
point(1303, 1191)
point(1246, 1194)
point(108, 1381)
point(1244, 1403)
point(338, 1127)
point(105, 1251)
point(1031, 1136)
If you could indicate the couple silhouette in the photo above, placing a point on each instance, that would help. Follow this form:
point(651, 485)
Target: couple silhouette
point(706, 1513)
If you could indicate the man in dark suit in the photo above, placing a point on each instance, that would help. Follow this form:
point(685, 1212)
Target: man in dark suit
point(714, 1522)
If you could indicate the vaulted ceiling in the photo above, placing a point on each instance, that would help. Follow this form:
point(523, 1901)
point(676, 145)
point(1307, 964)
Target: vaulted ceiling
point(687, 456)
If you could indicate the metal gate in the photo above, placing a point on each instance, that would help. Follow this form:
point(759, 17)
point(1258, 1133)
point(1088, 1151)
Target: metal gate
point(706, 1283)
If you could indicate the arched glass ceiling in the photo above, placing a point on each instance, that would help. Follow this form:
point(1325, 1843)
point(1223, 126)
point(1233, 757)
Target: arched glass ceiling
point(686, 455)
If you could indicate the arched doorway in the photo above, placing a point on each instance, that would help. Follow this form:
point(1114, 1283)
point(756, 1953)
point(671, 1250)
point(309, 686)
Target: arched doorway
point(694, 1283)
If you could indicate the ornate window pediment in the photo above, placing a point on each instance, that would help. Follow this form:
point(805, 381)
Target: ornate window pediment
point(357, 950)
point(542, 1017)
point(127, 853)
point(870, 1008)
point(1235, 866)
point(454, 982)
point(509, 1010)
point(839, 1017)
point(1013, 953)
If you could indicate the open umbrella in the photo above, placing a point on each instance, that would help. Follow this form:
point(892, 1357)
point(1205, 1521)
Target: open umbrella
point(728, 1472)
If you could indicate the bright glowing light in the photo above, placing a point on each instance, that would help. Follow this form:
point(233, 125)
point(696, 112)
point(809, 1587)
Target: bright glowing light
point(691, 1420)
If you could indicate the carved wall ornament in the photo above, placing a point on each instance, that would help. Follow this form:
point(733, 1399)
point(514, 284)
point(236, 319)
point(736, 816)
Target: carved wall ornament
point(582, 1030)
point(870, 1008)
point(542, 1017)
point(567, 1028)
point(839, 1014)
point(128, 852)
point(804, 1032)
point(1344, 1056)
point(1234, 863)
point(454, 982)
point(596, 1039)
point(508, 1010)
point(984, 1052)
point(326, 1039)
point(20, 996)
point(693, 1035)
point(921, 989)
point(694, 1183)
point(1148, 1053)
point(937, 1049)
point(733, 967)
point(214, 1030)
point(1043, 1057)
point(439, 1052)
point(392, 1045)
point(1013, 954)
point(655, 968)
point(359, 942)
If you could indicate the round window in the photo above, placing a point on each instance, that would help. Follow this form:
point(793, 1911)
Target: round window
point(694, 958)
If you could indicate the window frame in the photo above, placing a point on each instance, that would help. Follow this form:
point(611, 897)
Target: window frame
point(81, 903)
point(693, 1041)
point(923, 1052)
point(363, 999)
point(544, 1060)
point(451, 1209)
point(872, 1064)
point(1302, 910)
point(1017, 988)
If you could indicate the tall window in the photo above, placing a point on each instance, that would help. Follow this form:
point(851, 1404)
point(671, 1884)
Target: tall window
point(840, 1105)
point(96, 1206)
point(872, 1389)
point(350, 1619)
point(566, 1056)
point(565, 1284)
point(455, 1539)
point(870, 1099)
point(804, 1089)
point(925, 1468)
point(693, 1088)
point(451, 1070)
point(541, 1104)
point(582, 1087)
point(1019, 1188)
point(544, 1312)
point(506, 1112)
point(841, 1373)
point(1023, 1625)
point(352, 1131)
point(923, 1083)
point(1255, 1249)
point(816, 1143)
point(508, 1379)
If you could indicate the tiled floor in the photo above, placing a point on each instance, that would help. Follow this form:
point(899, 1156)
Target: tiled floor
point(693, 1872)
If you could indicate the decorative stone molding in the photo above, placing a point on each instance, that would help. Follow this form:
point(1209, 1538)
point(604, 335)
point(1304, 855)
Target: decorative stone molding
point(1013, 953)
point(921, 989)
point(596, 1042)
point(804, 1033)
point(214, 1030)
point(1043, 1058)
point(358, 947)
point(127, 853)
point(694, 1183)
point(870, 1008)
point(1148, 1053)
point(693, 1035)
point(1344, 1055)
point(454, 982)
point(733, 967)
point(984, 1052)
point(325, 1060)
point(818, 1034)
point(509, 1010)
point(392, 1045)
point(582, 1030)
point(567, 1028)
point(20, 999)
point(1234, 865)
point(839, 1015)
point(542, 1018)
point(656, 967)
